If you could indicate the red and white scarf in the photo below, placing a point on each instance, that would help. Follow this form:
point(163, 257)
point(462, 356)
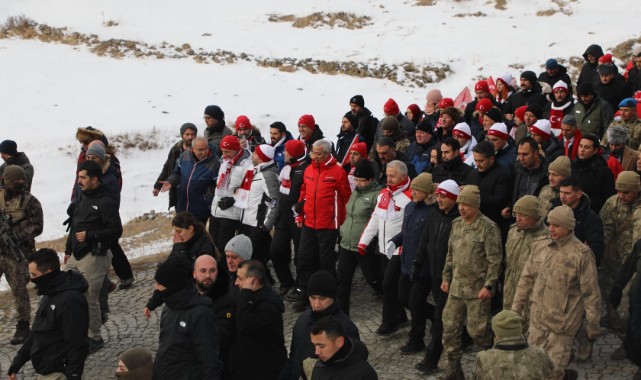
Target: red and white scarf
point(386, 205)
point(222, 187)
point(242, 193)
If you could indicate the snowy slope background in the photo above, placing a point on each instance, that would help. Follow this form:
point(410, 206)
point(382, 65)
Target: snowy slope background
point(49, 89)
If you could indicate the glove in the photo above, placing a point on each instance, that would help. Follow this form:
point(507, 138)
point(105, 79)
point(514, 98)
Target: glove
point(415, 272)
point(298, 207)
point(615, 296)
point(390, 247)
point(361, 249)
point(226, 202)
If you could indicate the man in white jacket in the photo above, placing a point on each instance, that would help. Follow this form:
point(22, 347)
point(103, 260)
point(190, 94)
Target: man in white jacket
point(386, 222)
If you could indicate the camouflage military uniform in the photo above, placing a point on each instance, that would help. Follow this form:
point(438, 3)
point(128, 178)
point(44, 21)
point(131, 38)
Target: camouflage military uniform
point(473, 262)
point(634, 126)
point(560, 281)
point(27, 221)
point(545, 197)
point(511, 358)
point(517, 252)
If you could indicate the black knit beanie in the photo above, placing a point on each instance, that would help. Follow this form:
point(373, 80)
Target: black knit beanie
point(175, 274)
point(322, 283)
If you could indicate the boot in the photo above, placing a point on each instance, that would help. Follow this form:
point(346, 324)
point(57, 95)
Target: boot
point(427, 365)
point(570, 374)
point(584, 351)
point(22, 332)
point(454, 371)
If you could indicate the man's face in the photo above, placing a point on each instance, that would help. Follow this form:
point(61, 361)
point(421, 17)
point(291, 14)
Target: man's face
point(201, 150)
point(586, 149)
point(305, 131)
point(422, 137)
point(275, 135)
point(616, 148)
point(586, 99)
point(552, 72)
point(592, 59)
point(418, 195)
point(524, 221)
point(228, 154)
point(627, 197)
point(482, 94)
point(17, 185)
point(346, 126)
point(483, 163)
point(91, 157)
point(487, 122)
point(362, 182)
point(527, 156)
point(570, 197)
point(355, 108)
point(388, 133)
point(554, 178)
point(560, 95)
point(320, 303)
point(233, 260)
point(5, 156)
point(87, 183)
point(385, 153)
point(210, 121)
point(394, 177)
point(444, 203)
point(325, 347)
point(354, 157)
point(607, 78)
point(637, 62)
point(242, 279)
point(498, 143)
point(319, 155)
point(628, 113)
point(255, 159)
point(446, 121)
point(467, 212)
point(33, 270)
point(525, 84)
point(447, 153)
point(205, 272)
point(244, 132)
point(538, 138)
point(529, 118)
point(567, 131)
point(461, 140)
point(188, 137)
point(557, 232)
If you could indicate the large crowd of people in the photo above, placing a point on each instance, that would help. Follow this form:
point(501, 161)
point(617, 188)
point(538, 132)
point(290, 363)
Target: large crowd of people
point(511, 223)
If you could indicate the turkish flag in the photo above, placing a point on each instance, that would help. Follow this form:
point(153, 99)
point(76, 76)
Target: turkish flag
point(464, 97)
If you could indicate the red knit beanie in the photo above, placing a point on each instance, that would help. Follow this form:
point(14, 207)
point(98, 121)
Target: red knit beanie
point(230, 142)
point(308, 121)
point(243, 122)
point(361, 148)
point(391, 108)
point(295, 148)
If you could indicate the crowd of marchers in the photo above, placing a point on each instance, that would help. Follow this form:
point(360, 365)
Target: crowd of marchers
point(511, 223)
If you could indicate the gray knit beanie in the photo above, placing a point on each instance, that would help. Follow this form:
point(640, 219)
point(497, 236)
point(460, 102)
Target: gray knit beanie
point(240, 245)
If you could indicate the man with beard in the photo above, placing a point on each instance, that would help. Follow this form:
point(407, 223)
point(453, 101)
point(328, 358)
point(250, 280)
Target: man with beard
point(346, 138)
point(188, 133)
point(26, 221)
point(279, 135)
point(529, 172)
point(622, 157)
point(248, 135)
point(453, 166)
point(610, 86)
point(385, 153)
point(555, 73)
point(419, 151)
point(212, 280)
point(216, 129)
point(562, 104)
point(529, 94)
point(367, 123)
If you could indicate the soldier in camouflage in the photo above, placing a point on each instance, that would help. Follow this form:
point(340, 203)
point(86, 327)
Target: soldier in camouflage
point(26, 222)
point(469, 277)
point(529, 226)
point(511, 357)
point(560, 282)
point(629, 119)
point(558, 170)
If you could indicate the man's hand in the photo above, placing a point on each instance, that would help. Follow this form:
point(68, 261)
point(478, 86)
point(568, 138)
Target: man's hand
point(165, 186)
point(506, 213)
point(147, 313)
point(226, 202)
point(12, 376)
point(66, 258)
point(361, 249)
point(485, 294)
point(155, 192)
point(445, 287)
point(81, 236)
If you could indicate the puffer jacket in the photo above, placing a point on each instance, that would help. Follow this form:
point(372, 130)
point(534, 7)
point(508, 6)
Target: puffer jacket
point(414, 221)
point(263, 196)
point(359, 210)
point(236, 178)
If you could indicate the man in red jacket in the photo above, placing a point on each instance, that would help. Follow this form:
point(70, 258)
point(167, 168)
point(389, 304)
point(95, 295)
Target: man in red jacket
point(321, 211)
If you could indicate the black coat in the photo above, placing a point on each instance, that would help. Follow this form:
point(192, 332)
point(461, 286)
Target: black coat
point(224, 307)
point(634, 80)
point(344, 141)
point(174, 154)
point(561, 75)
point(589, 70)
point(367, 126)
point(507, 156)
point(613, 92)
point(301, 346)
point(525, 98)
point(553, 148)
point(415, 218)
point(419, 155)
point(348, 363)
point(58, 339)
point(198, 245)
point(529, 182)
point(188, 341)
point(495, 186)
point(454, 169)
point(433, 245)
point(596, 178)
point(287, 201)
point(259, 351)
point(632, 265)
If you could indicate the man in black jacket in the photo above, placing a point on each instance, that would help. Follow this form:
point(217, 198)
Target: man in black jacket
point(188, 132)
point(95, 226)
point(188, 345)
point(530, 172)
point(321, 290)
point(58, 340)
point(597, 181)
point(453, 166)
point(588, 71)
point(367, 123)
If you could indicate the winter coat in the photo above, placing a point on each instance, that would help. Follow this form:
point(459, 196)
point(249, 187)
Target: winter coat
point(263, 196)
point(253, 140)
point(512, 358)
point(419, 155)
point(634, 79)
point(433, 245)
point(415, 218)
point(95, 212)
point(216, 134)
point(188, 341)
point(260, 351)
point(301, 347)
point(348, 363)
point(507, 156)
point(27, 219)
point(589, 70)
point(529, 182)
point(588, 228)
point(279, 150)
point(386, 223)
point(559, 281)
point(325, 191)
point(618, 224)
point(593, 117)
point(632, 265)
point(58, 339)
point(236, 176)
point(552, 149)
point(23, 161)
point(525, 98)
point(546, 196)
point(174, 155)
point(454, 169)
point(596, 178)
point(197, 246)
point(359, 209)
point(317, 134)
point(407, 127)
point(495, 185)
point(380, 169)
point(194, 182)
point(613, 92)
point(289, 188)
point(555, 111)
point(344, 141)
point(367, 127)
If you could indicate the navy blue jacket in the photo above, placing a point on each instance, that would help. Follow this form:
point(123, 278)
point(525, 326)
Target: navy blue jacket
point(414, 222)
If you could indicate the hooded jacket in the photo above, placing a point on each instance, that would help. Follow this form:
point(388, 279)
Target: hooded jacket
point(236, 175)
point(325, 191)
point(348, 363)
point(172, 157)
point(58, 339)
point(588, 71)
point(23, 161)
point(263, 197)
point(359, 210)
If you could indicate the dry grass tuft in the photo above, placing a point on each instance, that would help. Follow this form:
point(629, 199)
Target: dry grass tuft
point(500, 5)
point(135, 140)
point(320, 19)
point(110, 23)
point(477, 14)
point(425, 3)
point(623, 51)
point(19, 26)
point(546, 13)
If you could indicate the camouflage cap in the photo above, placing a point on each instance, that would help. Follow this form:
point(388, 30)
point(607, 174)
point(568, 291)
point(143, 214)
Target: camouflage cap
point(470, 195)
point(628, 181)
point(528, 205)
point(507, 323)
point(563, 216)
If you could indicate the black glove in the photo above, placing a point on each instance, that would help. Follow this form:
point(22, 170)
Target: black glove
point(298, 207)
point(67, 223)
point(615, 296)
point(226, 202)
point(415, 272)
